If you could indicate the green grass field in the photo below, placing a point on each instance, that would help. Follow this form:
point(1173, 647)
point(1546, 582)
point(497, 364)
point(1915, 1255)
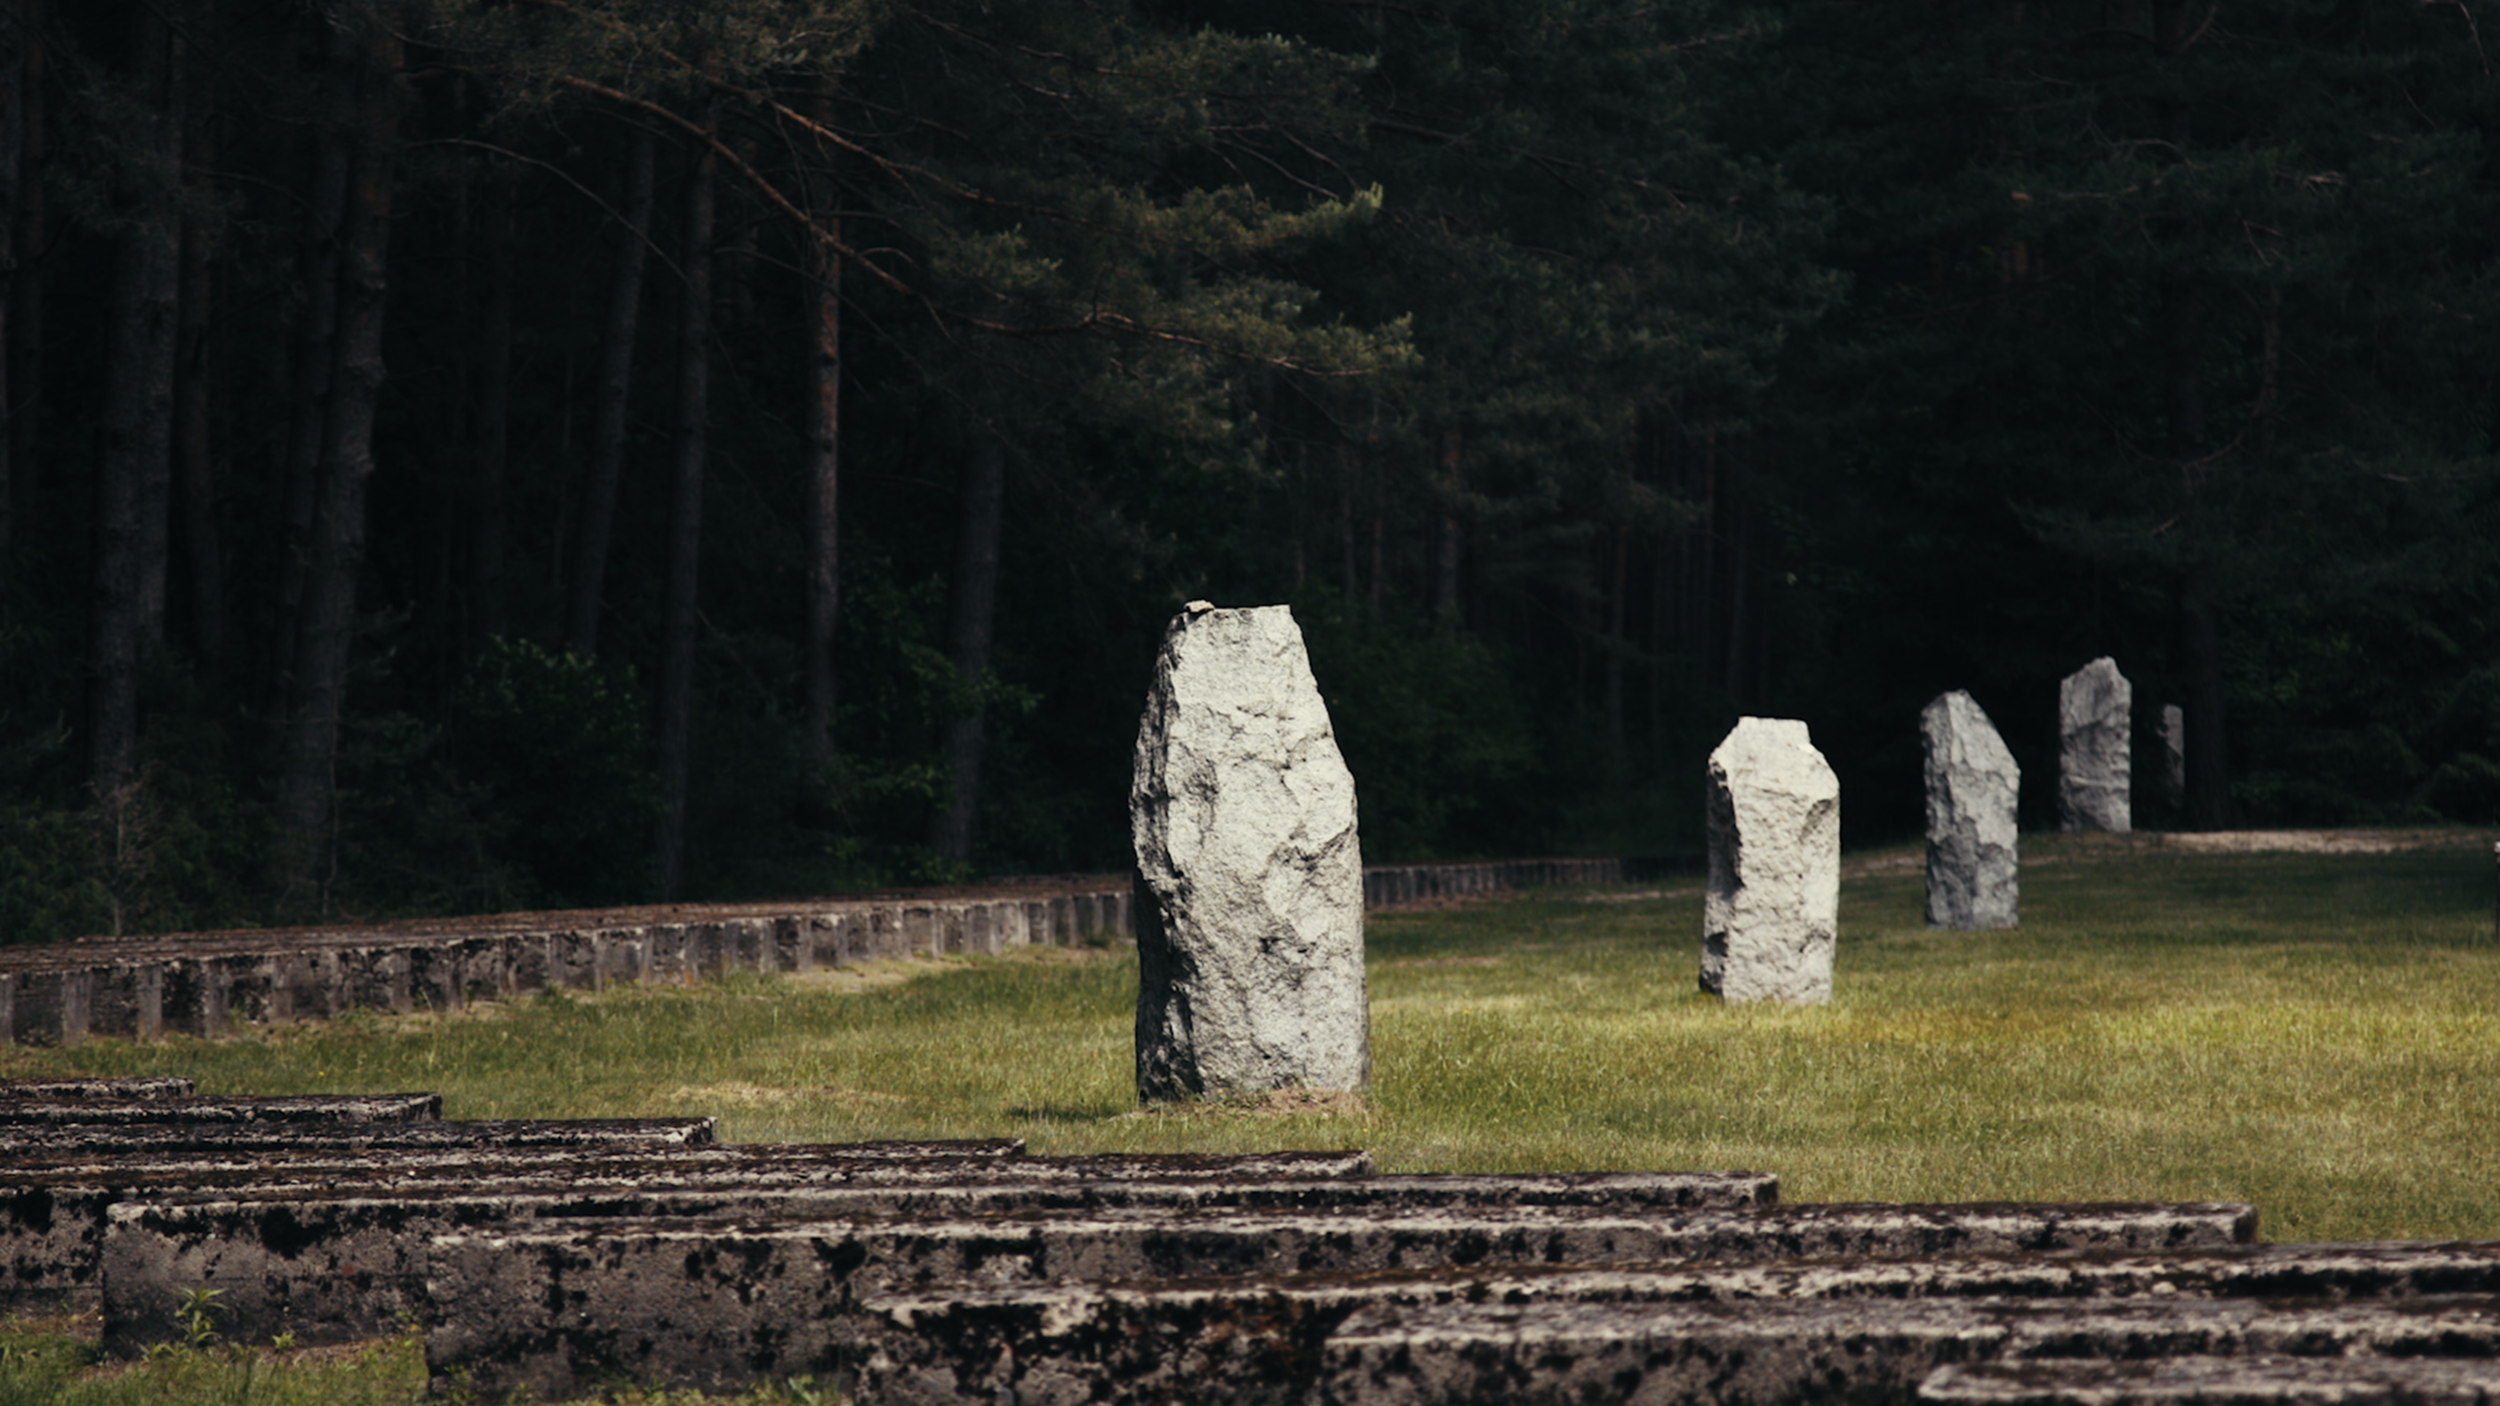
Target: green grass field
point(2319, 1035)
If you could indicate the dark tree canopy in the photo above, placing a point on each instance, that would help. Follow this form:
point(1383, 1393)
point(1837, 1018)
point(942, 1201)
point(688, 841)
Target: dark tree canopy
point(477, 453)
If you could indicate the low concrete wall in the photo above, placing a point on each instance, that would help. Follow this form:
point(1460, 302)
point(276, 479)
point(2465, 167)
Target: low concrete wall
point(209, 984)
point(212, 983)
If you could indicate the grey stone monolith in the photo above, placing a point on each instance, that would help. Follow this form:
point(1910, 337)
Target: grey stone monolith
point(1972, 785)
point(2173, 754)
point(1249, 876)
point(1772, 907)
point(2092, 764)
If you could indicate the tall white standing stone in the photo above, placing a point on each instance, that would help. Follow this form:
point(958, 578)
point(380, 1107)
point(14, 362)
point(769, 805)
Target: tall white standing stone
point(2092, 765)
point(1772, 907)
point(1972, 785)
point(2174, 754)
point(1249, 877)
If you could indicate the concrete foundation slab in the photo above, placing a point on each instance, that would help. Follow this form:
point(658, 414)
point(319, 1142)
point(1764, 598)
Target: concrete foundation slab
point(58, 1090)
point(697, 1304)
point(332, 1266)
point(196, 1111)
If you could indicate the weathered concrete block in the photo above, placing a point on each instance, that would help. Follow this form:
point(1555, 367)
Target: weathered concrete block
point(668, 953)
point(127, 999)
point(378, 979)
point(434, 979)
point(532, 956)
point(1845, 1350)
point(337, 1263)
point(716, 1305)
point(51, 1007)
point(2093, 770)
point(2301, 1380)
point(1807, 1332)
point(624, 956)
point(305, 985)
point(1771, 910)
point(177, 1108)
point(58, 1090)
point(1051, 1309)
point(486, 968)
point(240, 1139)
point(2173, 754)
point(1249, 904)
point(1972, 784)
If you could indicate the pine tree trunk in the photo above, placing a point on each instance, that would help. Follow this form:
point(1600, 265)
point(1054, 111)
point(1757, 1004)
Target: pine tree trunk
point(2180, 314)
point(13, 45)
point(616, 384)
point(314, 337)
point(488, 530)
point(1445, 581)
point(685, 543)
point(1618, 644)
point(365, 63)
point(969, 634)
point(194, 471)
point(824, 467)
point(156, 488)
point(138, 418)
point(2208, 757)
point(824, 504)
point(28, 228)
point(1347, 564)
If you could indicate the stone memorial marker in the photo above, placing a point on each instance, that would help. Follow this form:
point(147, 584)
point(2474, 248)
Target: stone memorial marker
point(1772, 906)
point(2174, 754)
point(1972, 783)
point(1249, 877)
point(2092, 765)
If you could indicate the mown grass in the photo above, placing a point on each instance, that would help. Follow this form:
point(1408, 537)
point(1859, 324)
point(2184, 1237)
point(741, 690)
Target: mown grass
point(2319, 1035)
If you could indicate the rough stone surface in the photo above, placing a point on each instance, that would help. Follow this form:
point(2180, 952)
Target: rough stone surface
point(717, 1305)
point(1972, 785)
point(1611, 1336)
point(1772, 906)
point(326, 1266)
point(54, 1209)
point(2093, 770)
point(164, 1139)
point(2305, 1380)
point(2174, 754)
point(1860, 1350)
point(159, 1109)
point(54, 1090)
point(1249, 906)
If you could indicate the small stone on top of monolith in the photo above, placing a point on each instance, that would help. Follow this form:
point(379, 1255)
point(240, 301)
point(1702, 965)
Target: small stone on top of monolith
point(1249, 874)
point(2092, 762)
point(1772, 906)
point(1972, 786)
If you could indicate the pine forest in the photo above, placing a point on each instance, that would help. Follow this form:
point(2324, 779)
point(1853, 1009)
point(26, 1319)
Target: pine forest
point(460, 455)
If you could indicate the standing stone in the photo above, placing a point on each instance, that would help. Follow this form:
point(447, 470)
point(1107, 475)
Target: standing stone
point(1972, 783)
point(1249, 878)
point(2092, 765)
point(2173, 755)
point(1773, 903)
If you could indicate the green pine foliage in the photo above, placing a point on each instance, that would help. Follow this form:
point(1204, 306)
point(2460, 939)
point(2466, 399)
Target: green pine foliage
point(1586, 373)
